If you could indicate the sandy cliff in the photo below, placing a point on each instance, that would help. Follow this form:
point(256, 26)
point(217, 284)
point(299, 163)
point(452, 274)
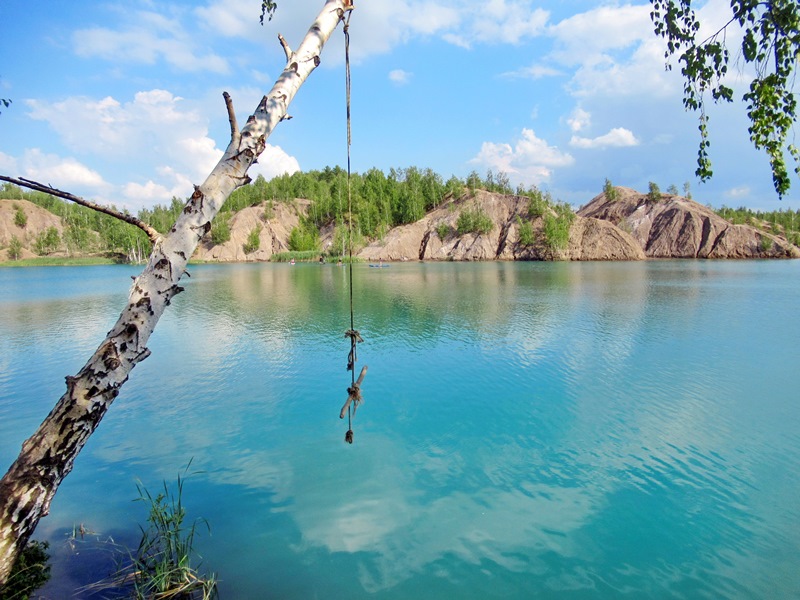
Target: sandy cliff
point(590, 239)
point(676, 227)
point(630, 227)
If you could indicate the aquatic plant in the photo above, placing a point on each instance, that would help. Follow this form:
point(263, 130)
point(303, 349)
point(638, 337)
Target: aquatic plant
point(162, 565)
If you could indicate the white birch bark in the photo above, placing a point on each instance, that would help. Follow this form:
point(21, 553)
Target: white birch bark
point(28, 487)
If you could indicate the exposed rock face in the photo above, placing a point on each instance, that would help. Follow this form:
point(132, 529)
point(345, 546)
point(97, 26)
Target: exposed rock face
point(590, 239)
point(676, 227)
point(274, 235)
point(627, 228)
point(594, 239)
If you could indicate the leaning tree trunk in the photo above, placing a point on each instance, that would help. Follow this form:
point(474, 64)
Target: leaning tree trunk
point(48, 456)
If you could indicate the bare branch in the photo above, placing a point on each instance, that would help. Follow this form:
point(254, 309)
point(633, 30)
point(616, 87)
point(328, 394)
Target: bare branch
point(47, 189)
point(235, 135)
point(286, 49)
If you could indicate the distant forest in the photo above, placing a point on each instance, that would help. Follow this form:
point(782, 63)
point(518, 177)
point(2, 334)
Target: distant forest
point(380, 201)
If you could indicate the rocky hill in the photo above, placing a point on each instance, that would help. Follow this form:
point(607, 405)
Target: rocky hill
point(435, 236)
point(676, 227)
point(628, 227)
point(37, 221)
point(274, 226)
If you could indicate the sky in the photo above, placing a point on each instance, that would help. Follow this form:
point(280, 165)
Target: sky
point(122, 102)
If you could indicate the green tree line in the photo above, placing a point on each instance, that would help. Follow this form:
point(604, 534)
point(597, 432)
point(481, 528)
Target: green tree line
point(780, 222)
point(379, 202)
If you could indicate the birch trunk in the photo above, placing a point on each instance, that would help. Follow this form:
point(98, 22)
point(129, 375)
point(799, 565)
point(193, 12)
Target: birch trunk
point(28, 487)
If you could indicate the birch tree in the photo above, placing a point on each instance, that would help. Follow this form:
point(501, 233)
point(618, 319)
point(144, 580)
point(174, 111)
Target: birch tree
point(28, 487)
point(770, 48)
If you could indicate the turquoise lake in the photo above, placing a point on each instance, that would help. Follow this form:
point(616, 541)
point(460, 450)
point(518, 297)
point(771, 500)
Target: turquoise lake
point(529, 430)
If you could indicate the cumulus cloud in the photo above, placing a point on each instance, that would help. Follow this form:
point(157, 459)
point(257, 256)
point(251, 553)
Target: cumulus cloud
point(59, 171)
point(8, 164)
point(530, 160)
point(148, 37)
point(400, 77)
point(155, 124)
point(504, 21)
point(611, 52)
point(162, 135)
point(738, 192)
point(534, 72)
point(579, 120)
point(382, 25)
point(619, 137)
point(274, 161)
point(600, 31)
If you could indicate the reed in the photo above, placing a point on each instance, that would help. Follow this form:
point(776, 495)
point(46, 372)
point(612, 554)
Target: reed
point(162, 566)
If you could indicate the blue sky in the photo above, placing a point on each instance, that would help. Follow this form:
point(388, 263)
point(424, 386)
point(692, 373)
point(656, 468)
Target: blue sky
point(122, 102)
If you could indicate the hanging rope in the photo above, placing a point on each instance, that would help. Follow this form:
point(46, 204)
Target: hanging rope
point(354, 391)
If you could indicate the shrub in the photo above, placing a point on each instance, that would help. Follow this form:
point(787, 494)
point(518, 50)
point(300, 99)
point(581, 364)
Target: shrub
point(442, 230)
point(253, 242)
point(47, 241)
point(539, 203)
point(654, 195)
point(454, 188)
point(766, 243)
point(221, 228)
point(556, 227)
point(673, 189)
point(304, 237)
point(610, 191)
point(20, 218)
point(29, 573)
point(526, 237)
point(269, 211)
point(15, 248)
point(474, 221)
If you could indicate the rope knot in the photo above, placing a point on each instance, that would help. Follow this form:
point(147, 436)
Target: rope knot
point(354, 395)
point(353, 334)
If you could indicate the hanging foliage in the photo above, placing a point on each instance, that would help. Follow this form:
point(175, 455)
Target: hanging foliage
point(770, 46)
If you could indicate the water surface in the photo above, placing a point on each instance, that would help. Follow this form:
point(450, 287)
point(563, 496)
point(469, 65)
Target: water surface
point(579, 430)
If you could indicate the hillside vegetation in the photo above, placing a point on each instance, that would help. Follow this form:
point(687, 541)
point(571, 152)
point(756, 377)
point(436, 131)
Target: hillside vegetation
point(380, 202)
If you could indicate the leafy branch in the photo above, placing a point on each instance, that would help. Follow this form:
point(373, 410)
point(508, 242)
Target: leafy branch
point(770, 44)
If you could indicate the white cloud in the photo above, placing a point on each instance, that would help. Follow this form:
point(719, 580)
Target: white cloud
point(400, 77)
point(146, 38)
point(613, 51)
point(274, 161)
point(579, 120)
point(67, 173)
point(502, 21)
point(600, 31)
point(530, 161)
point(155, 125)
point(640, 74)
point(534, 72)
point(619, 137)
point(8, 164)
point(379, 26)
point(738, 192)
